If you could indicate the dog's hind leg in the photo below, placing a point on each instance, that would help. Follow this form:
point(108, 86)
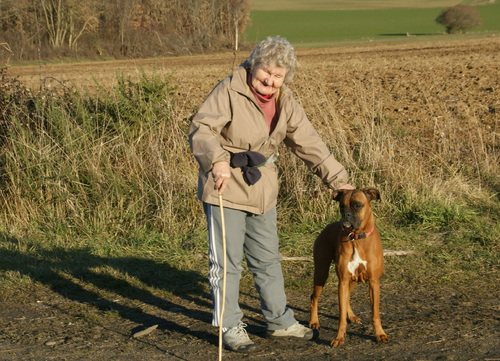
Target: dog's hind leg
point(313, 318)
point(322, 262)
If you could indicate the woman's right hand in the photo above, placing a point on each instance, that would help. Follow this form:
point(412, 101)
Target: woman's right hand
point(221, 171)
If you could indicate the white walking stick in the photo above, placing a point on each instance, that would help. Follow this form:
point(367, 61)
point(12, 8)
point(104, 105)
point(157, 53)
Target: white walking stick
point(223, 225)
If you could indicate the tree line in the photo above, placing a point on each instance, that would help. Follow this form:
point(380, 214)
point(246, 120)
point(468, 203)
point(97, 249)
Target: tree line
point(42, 29)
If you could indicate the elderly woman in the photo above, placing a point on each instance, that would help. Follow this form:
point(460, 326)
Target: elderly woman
point(235, 137)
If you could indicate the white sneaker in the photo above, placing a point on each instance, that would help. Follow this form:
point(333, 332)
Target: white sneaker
point(236, 339)
point(296, 331)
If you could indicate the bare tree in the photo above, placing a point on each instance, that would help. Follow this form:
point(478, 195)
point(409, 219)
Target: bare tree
point(19, 25)
point(240, 13)
point(118, 18)
point(459, 18)
point(67, 20)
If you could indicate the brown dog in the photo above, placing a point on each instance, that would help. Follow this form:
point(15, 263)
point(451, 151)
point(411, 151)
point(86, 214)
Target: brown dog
point(354, 245)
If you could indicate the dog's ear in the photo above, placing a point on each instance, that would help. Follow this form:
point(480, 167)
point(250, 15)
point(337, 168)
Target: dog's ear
point(372, 193)
point(337, 195)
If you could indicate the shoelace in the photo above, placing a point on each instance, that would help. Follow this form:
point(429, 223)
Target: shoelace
point(240, 333)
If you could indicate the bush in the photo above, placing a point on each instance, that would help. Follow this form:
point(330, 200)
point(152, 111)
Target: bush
point(459, 18)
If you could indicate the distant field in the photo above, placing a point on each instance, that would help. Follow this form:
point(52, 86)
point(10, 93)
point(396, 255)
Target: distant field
point(265, 5)
point(328, 26)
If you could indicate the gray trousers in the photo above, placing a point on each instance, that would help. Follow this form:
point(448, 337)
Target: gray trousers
point(254, 236)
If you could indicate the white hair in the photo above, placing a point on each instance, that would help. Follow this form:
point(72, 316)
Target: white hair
point(273, 51)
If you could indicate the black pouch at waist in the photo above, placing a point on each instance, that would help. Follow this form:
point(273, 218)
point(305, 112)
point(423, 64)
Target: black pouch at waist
point(248, 162)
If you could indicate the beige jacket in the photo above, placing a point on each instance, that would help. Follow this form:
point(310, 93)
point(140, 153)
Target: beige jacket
point(230, 121)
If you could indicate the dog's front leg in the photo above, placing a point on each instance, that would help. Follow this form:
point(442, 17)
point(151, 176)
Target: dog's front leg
point(343, 310)
point(375, 303)
point(350, 313)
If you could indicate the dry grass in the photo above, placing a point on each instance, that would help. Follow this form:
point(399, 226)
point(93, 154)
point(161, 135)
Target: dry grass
point(418, 121)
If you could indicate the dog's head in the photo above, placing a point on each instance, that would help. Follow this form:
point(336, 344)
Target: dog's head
point(355, 206)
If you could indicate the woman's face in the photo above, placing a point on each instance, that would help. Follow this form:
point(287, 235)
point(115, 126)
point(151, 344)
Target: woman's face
point(267, 79)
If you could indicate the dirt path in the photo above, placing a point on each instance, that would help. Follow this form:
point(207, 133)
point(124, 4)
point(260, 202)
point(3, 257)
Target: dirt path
point(424, 322)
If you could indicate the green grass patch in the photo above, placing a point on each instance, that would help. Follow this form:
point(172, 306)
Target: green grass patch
point(278, 5)
point(329, 26)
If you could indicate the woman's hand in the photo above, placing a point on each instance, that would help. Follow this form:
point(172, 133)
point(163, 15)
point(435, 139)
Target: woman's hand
point(221, 171)
point(347, 187)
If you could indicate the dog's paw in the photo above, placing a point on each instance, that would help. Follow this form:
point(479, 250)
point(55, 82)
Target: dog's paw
point(339, 341)
point(314, 325)
point(382, 338)
point(356, 320)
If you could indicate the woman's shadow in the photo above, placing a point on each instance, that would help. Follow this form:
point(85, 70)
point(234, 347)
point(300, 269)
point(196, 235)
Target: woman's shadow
point(81, 276)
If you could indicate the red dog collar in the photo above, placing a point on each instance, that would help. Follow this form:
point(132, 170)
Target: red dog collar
point(353, 236)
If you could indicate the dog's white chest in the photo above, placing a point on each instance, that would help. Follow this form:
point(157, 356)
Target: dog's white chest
point(353, 265)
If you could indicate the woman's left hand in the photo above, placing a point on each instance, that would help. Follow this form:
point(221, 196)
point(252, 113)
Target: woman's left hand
point(347, 187)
